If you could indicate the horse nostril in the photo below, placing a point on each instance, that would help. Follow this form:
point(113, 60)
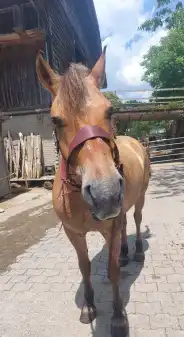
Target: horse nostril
point(89, 195)
point(121, 189)
point(121, 183)
point(88, 190)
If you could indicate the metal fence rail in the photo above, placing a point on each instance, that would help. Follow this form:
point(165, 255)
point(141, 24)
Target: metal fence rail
point(166, 150)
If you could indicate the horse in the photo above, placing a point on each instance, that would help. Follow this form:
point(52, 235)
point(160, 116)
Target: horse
point(100, 176)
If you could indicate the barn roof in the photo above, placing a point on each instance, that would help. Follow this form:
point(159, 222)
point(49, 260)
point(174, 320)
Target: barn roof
point(62, 30)
point(83, 20)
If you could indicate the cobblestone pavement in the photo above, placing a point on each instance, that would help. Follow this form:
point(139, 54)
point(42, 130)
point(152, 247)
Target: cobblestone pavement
point(41, 291)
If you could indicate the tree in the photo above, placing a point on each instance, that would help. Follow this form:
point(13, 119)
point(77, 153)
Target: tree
point(140, 128)
point(164, 64)
point(116, 103)
point(133, 128)
point(164, 68)
point(165, 16)
point(114, 99)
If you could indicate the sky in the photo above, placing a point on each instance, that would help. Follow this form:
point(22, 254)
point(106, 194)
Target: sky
point(118, 21)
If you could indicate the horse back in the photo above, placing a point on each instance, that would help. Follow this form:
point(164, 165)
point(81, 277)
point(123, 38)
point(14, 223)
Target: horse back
point(136, 168)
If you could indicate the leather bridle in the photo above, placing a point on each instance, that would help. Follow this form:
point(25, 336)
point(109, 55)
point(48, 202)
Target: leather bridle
point(84, 134)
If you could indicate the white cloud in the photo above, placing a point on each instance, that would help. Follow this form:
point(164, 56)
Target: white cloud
point(132, 72)
point(120, 19)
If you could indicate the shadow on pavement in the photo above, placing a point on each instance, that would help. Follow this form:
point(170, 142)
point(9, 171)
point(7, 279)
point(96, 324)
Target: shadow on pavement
point(168, 181)
point(20, 232)
point(102, 286)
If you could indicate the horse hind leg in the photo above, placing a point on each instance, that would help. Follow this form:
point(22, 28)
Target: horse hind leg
point(139, 255)
point(88, 312)
point(119, 323)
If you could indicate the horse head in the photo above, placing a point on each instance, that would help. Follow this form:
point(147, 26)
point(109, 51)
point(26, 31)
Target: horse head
point(79, 104)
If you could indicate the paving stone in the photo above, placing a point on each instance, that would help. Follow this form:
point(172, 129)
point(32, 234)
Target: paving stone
point(169, 287)
point(181, 322)
point(150, 333)
point(178, 297)
point(155, 278)
point(14, 272)
point(182, 286)
point(164, 271)
point(164, 321)
point(37, 287)
point(148, 308)
point(139, 321)
point(34, 272)
point(6, 286)
point(174, 333)
point(4, 278)
point(19, 279)
point(55, 279)
point(159, 297)
point(37, 279)
point(175, 309)
point(175, 278)
point(136, 296)
point(21, 286)
point(146, 287)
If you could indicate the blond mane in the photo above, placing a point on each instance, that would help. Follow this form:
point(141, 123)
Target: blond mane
point(72, 91)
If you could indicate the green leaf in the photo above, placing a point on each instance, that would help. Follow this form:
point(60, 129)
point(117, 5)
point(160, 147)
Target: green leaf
point(161, 3)
point(165, 16)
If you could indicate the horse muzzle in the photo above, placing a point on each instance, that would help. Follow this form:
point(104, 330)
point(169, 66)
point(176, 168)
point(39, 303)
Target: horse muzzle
point(104, 197)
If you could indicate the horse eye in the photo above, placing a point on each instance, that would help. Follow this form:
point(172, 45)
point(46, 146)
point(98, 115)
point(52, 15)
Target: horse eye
point(57, 121)
point(109, 112)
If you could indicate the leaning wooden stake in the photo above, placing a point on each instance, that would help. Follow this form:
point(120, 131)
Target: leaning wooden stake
point(12, 152)
point(18, 159)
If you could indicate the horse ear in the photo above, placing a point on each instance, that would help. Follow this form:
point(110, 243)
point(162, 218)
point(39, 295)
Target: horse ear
point(47, 77)
point(98, 71)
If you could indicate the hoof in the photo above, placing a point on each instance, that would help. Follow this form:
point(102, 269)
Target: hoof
point(119, 327)
point(139, 257)
point(123, 261)
point(88, 314)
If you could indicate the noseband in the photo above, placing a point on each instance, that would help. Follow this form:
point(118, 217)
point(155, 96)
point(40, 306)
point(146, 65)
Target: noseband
point(84, 134)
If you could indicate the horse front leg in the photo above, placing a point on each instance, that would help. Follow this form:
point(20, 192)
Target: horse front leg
point(124, 244)
point(119, 326)
point(88, 312)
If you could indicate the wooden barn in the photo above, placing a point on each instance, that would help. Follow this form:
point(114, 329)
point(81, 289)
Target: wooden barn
point(65, 32)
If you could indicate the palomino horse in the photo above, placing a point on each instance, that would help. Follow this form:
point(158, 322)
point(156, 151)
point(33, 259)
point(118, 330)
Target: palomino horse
point(91, 192)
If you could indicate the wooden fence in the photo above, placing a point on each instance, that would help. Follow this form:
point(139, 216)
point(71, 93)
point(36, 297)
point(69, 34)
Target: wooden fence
point(24, 156)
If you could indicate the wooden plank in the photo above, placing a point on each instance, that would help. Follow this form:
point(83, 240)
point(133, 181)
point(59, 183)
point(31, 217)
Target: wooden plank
point(26, 157)
point(25, 37)
point(39, 164)
point(18, 158)
point(29, 162)
point(21, 152)
point(149, 116)
point(34, 140)
point(22, 144)
point(44, 178)
point(13, 155)
point(37, 156)
point(6, 147)
point(31, 155)
point(10, 156)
